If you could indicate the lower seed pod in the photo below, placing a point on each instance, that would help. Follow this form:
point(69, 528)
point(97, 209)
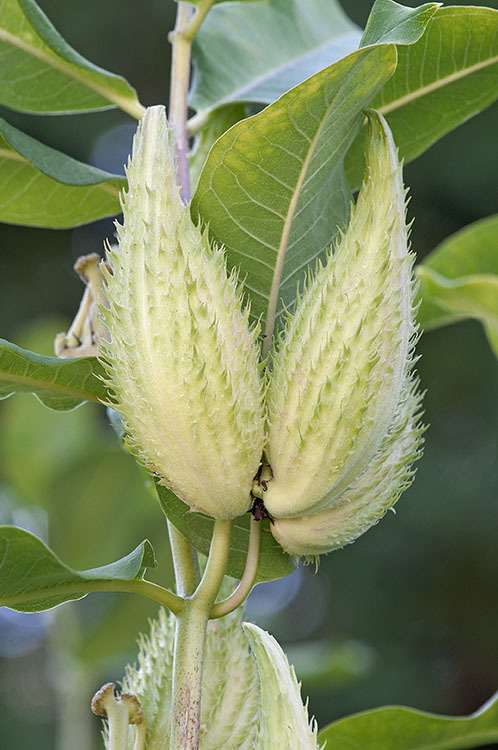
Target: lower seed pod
point(344, 359)
point(283, 719)
point(368, 498)
point(230, 686)
point(181, 359)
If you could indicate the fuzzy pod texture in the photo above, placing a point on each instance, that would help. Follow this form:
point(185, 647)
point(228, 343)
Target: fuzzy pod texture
point(283, 722)
point(342, 368)
point(181, 360)
point(368, 497)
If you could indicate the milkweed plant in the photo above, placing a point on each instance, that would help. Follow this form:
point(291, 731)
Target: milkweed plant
point(251, 328)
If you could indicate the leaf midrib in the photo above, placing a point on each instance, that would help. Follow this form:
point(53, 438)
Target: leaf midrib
point(134, 109)
point(435, 85)
point(281, 253)
point(47, 386)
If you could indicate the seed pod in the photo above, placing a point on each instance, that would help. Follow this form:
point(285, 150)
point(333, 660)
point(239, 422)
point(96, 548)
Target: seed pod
point(369, 496)
point(283, 719)
point(181, 359)
point(345, 356)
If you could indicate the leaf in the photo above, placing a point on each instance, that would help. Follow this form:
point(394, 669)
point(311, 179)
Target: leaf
point(32, 578)
point(448, 76)
point(41, 73)
point(272, 190)
point(396, 727)
point(213, 126)
point(257, 52)
point(390, 22)
point(459, 279)
point(42, 187)
point(60, 384)
point(273, 562)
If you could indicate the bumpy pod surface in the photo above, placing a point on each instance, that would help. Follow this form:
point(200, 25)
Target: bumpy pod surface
point(368, 497)
point(342, 362)
point(182, 361)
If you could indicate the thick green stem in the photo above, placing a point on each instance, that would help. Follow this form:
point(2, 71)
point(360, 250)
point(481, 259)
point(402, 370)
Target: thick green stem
point(189, 643)
point(184, 562)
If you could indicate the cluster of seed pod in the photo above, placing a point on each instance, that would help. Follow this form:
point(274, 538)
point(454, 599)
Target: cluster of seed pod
point(335, 418)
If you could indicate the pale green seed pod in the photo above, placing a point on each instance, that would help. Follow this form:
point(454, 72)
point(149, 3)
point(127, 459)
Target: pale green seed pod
point(369, 496)
point(182, 361)
point(344, 360)
point(283, 722)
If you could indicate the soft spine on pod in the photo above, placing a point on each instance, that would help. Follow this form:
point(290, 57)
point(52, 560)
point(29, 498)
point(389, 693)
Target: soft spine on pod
point(342, 400)
point(181, 360)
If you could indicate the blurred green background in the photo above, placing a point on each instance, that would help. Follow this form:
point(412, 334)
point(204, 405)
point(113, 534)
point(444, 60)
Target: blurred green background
point(408, 614)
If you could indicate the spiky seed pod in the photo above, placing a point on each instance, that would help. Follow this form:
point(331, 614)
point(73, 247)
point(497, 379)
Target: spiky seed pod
point(283, 719)
point(182, 361)
point(345, 357)
point(368, 497)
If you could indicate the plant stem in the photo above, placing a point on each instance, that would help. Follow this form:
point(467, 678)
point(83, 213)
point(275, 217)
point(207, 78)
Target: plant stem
point(189, 644)
point(180, 77)
point(181, 39)
point(248, 577)
point(200, 14)
point(184, 562)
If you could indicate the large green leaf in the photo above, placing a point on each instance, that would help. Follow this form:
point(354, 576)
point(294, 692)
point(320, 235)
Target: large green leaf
point(215, 124)
point(61, 384)
point(393, 728)
point(441, 81)
point(273, 191)
point(32, 578)
point(459, 279)
point(41, 73)
point(273, 562)
point(257, 52)
point(390, 22)
point(42, 187)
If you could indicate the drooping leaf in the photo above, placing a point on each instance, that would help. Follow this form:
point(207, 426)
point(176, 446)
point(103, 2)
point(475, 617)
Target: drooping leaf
point(43, 187)
point(390, 22)
point(449, 75)
point(41, 73)
point(32, 578)
point(273, 191)
point(273, 562)
point(257, 52)
point(396, 727)
point(61, 384)
point(459, 279)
